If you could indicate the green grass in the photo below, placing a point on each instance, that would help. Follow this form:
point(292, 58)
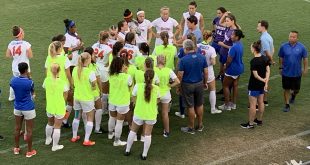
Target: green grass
point(223, 137)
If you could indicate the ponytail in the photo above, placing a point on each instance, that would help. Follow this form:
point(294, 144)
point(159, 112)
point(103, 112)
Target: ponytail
point(54, 48)
point(55, 69)
point(165, 38)
point(148, 78)
point(81, 61)
point(149, 63)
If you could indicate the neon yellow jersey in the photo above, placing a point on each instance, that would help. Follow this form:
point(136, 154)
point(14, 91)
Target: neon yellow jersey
point(169, 52)
point(82, 86)
point(60, 60)
point(164, 76)
point(119, 89)
point(132, 71)
point(94, 68)
point(140, 62)
point(55, 102)
point(139, 77)
point(146, 110)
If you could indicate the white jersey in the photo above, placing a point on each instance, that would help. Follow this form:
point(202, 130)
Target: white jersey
point(122, 35)
point(143, 28)
point(209, 52)
point(133, 52)
point(18, 49)
point(111, 43)
point(72, 42)
point(185, 16)
point(101, 52)
point(162, 25)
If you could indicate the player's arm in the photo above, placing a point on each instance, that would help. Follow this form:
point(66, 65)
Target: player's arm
point(149, 35)
point(177, 31)
point(8, 53)
point(201, 24)
point(182, 23)
point(29, 53)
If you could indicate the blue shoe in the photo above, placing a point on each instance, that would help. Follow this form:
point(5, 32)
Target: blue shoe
point(286, 109)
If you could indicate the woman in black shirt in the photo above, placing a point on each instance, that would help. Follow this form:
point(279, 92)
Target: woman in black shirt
point(258, 84)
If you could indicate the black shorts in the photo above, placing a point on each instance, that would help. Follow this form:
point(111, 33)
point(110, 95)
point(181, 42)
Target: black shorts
point(193, 94)
point(291, 83)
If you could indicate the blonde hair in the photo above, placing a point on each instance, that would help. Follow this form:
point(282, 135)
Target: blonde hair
point(207, 36)
point(82, 60)
point(164, 8)
point(161, 59)
point(103, 35)
point(55, 69)
point(54, 48)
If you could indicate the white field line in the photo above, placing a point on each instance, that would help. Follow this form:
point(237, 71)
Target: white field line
point(264, 146)
point(307, 1)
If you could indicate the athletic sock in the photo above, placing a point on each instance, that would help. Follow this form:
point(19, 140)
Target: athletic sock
point(111, 124)
point(88, 130)
point(131, 137)
point(118, 129)
point(147, 144)
point(84, 117)
point(212, 99)
point(56, 137)
point(48, 131)
point(75, 127)
point(98, 118)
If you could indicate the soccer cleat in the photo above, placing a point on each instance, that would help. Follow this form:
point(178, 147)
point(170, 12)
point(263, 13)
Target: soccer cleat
point(48, 141)
point(126, 153)
point(100, 131)
point(11, 98)
point(16, 151)
point(166, 134)
point(67, 125)
point(257, 122)
point(88, 143)
point(110, 135)
point(224, 107)
point(73, 140)
point(57, 147)
point(119, 143)
point(215, 111)
point(187, 130)
point(286, 109)
point(31, 153)
point(1, 137)
point(142, 157)
point(179, 115)
point(247, 125)
point(199, 129)
point(266, 103)
point(233, 106)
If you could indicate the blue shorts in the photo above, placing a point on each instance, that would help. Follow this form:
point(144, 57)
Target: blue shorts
point(216, 47)
point(223, 59)
point(256, 93)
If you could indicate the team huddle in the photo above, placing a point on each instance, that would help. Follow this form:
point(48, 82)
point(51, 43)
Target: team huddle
point(119, 75)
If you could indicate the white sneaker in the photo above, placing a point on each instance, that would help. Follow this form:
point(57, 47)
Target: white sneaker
point(233, 106)
point(58, 147)
point(215, 111)
point(179, 115)
point(48, 141)
point(110, 136)
point(224, 107)
point(308, 147)
point(142, 139)
point(11, 98)
point(119, 143)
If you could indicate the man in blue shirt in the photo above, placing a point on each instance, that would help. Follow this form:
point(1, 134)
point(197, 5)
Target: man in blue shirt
point(267, 46)
point(23, 107)
point(291, 55)
point(193, 73)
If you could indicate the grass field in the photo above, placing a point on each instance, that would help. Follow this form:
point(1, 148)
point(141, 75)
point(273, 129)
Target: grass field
point(222, 142)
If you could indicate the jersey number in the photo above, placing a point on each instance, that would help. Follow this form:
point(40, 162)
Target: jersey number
point(99, 54)
point(130, 53)
point(17, 51)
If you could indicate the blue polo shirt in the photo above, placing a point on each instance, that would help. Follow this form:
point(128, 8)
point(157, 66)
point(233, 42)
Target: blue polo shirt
point(236, 66)
point(193, 65)
point(23, 88)
point(197, 34)
point(181, 52)
point(267, 43)
point(292, 56)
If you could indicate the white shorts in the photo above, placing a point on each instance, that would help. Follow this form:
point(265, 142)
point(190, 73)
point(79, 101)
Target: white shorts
point(166, 98)
point(211, 76)
point(56, 116)
point(141, 122)
point(86, 106)
point(28, 115)
point(119, 109)
point(234, 77)
point(104, 74)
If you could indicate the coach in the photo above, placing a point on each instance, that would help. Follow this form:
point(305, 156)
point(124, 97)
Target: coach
point(193, 70)
point(291, 54)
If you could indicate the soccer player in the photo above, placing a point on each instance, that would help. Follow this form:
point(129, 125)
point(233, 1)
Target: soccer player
point(131, 48)
point(145, 52)
point(167, 80)
point(56, 95)
point(258, 83)
point(119, 99)
point(113, 36)
point(192, 11)
point(233, 68)
point(122, 29)
point(84, 85)
point(291, 55)
point(145, 28)
point(165, 23)
point(218, 29)
point(20, 51)
point(210, 54)
point(24, 108)
point(146, 97)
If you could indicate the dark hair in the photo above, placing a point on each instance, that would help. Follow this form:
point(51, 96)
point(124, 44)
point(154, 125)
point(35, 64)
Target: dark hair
point(130, 36)
point(113, 27)
point(193, 19)
point(127, 12)
point(68, 24)
point(124, 55)
point(233, 18)
point(165, 37)
point(264, 23)
point(103, 35)
point(149, 63)
point(22, 67)
point(15, 30)
point(294, 31)
point(193, 3)
point(116, 48)
point(59, 37)
point(222, 9)
point(145, 48)
point(120, 24)
point(239, 34)
point(116, 66)
point(89, 50)
point(148, 79)
point(257, 46)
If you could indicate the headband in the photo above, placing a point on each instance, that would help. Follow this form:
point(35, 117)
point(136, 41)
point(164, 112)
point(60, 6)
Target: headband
point(21, 32)
point(140, 12)
point(128, 15)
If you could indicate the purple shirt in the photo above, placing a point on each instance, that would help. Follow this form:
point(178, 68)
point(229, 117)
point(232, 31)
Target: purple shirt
point(219, 30)
point(227, 41)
